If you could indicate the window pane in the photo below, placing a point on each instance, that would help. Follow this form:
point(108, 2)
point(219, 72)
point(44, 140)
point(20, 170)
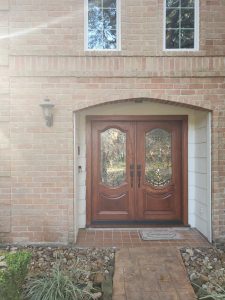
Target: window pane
point(94, 3)
point(109, 32)
point(95, 28)
point(95, 18)
point(109, 3)
point(109, 19)
point(172, 39)
point(95, 40)
point(102, 24)
point(187, 38)
point(113, 157)
point(187, 3)
point(158, 157)
point(187, 18)
point(172, 3)
point(172, 18)
point(109, 39)
point(180, 15)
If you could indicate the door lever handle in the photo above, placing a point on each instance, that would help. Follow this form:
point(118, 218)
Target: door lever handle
point(139, 174)
point(132, 174)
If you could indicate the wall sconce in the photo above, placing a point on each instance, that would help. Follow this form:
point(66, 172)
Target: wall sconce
point(47, 107)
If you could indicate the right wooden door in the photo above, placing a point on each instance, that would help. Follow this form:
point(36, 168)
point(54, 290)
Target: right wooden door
point(159, 171)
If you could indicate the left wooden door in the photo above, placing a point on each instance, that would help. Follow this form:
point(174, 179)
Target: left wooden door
point(113, 170)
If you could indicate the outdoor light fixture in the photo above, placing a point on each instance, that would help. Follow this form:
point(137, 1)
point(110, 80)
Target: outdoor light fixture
point(47, 107)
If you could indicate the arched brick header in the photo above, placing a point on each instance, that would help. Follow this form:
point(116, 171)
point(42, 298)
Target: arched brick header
point(200, 106)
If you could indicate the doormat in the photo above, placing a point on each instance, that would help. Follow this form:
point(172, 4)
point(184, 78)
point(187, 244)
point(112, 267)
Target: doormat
point(160, 234)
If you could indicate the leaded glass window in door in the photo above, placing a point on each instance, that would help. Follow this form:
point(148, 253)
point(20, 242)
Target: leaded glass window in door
point(102, 24)
point(158, 157)
point(113, 157)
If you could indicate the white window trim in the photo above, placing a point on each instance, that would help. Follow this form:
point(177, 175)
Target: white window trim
point(196, 31)
point(118, 29)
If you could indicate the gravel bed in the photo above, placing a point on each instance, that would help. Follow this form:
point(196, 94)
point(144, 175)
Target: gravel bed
point(97, 264)
point(206, 270)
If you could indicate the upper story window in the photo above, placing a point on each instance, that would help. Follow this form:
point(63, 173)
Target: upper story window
point(102, 23)
point(181, 25)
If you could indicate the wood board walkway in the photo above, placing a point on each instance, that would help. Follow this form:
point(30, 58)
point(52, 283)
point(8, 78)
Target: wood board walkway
point(146, 270)
point(150, 274)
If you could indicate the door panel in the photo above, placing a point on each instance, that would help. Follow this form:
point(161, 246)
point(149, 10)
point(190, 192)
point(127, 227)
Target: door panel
point(156, 201)
point(112, 156)
point(159, 157)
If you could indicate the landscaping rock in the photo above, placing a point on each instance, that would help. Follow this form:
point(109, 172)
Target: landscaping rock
point(96, 296)
point(99, 278)
point(3, 264)
point(97, 265)
point(206, 269)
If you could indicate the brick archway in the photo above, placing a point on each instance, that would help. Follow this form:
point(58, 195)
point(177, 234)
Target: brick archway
point(198, 105)
point(145, 106)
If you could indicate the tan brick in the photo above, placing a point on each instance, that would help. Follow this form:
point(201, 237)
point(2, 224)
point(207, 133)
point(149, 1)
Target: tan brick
point(4, 5)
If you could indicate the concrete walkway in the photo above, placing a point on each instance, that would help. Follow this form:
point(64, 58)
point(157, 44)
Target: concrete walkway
point(151, 274)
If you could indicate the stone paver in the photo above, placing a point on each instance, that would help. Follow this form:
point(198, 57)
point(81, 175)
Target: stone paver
point(151, 274)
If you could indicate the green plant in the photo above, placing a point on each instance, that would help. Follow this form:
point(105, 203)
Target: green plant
point(211, 296)
point(56, 286)
point(215, 296)
point(13, 277)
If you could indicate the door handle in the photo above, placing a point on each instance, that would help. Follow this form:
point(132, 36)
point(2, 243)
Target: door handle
point(139, 174)
point(132, 174)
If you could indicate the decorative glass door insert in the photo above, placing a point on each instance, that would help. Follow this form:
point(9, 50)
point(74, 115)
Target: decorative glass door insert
point(158, 158)
point(113, 157)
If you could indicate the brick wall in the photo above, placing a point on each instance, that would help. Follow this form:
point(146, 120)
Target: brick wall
point(5, 155)
point(44, 56)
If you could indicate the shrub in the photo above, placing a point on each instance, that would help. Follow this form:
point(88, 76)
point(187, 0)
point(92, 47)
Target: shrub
point(13, 277)
point(56, 286)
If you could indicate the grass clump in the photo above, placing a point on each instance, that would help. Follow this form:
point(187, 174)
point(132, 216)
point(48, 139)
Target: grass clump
point(13, 276)
point(58, 285)
point(215, 295)
point(205, 295)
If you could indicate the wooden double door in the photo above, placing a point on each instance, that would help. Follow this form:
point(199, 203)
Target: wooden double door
point(136, 170)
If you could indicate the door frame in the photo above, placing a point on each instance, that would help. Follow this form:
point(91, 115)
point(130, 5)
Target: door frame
point(184, 130)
